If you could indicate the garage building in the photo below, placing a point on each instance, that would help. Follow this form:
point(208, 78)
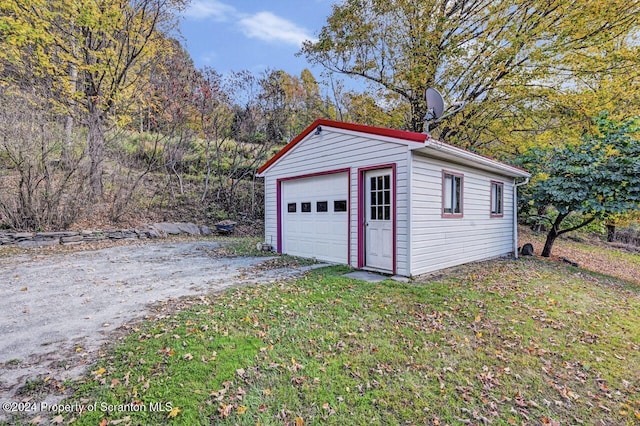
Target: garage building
point(386, 200)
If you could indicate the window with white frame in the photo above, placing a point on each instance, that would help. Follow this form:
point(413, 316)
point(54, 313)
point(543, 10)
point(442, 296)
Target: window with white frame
point(497, 199)
point(452, 193)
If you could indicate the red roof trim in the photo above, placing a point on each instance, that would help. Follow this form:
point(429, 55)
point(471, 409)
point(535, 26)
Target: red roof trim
point(380, 131)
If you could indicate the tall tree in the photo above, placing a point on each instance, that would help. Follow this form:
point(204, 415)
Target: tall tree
point(104, 47)
point(290, 103)
point(491, 55)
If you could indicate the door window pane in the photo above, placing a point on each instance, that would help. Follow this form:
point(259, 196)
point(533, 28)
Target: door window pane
point(380, 197)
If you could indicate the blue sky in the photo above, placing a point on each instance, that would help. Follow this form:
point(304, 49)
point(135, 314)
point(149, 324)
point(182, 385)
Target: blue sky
point(251, 34)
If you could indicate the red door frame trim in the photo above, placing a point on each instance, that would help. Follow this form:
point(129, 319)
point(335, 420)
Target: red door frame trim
point(362, 211)
point(279, 211)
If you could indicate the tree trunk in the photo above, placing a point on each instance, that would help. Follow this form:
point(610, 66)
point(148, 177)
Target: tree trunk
point(552, 235)
point(548, 244)
point(67, 148)
point(68, 141)
point(611, 233)
point(95, 146)
point(539, 227)
point(417, 115)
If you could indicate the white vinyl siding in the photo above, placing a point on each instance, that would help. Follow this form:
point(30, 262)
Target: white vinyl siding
point(439, 242)
point(333, 150)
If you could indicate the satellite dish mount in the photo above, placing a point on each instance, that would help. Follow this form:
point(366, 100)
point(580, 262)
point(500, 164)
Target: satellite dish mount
point(436, 110)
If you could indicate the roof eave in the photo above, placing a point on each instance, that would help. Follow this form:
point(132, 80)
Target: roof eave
point(448, 152)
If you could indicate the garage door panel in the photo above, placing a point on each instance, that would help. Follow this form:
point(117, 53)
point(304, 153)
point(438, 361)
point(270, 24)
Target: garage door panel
point(319, 234)
point(323, 227)
point(337, 227)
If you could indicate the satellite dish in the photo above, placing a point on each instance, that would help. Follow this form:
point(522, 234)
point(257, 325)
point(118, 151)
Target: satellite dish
point(435, 108)
point(435, 104)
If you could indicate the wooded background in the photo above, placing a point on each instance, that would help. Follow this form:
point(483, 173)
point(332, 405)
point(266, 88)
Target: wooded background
point(104, 119)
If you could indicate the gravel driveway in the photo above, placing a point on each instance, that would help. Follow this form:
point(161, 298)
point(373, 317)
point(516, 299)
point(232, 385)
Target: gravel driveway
point(57, 310)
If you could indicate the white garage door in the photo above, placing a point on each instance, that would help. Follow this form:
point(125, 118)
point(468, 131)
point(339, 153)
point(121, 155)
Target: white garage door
point(315, 217)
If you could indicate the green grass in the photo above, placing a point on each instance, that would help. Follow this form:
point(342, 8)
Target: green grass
point(502, 342)
point(244, 246)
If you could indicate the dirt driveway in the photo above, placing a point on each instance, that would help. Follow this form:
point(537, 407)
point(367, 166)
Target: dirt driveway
point(56, 310)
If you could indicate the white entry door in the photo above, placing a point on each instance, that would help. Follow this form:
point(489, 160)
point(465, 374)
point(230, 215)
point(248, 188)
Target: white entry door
point(379, 219)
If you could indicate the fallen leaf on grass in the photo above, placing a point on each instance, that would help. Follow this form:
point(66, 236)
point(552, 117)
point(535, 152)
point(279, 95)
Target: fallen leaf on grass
point(57, 419)
point(225, 410)
point(166, 351)
point(241, 409)
point(99, 372)
point(520, 402)
point(299, 421)
point(605, 408)
point(174, 412)
point(36, 420)
point(298, 380)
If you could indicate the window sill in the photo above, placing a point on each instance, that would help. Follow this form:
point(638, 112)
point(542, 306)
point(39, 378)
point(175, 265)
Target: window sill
point(452, 215)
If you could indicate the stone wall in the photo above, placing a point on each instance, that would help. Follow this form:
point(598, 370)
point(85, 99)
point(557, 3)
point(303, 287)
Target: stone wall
point(154, 230)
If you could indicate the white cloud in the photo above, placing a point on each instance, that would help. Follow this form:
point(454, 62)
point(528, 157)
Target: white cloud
point(209, 9)
point(269, 27)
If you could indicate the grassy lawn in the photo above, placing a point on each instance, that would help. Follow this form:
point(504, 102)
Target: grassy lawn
point(502, 342)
